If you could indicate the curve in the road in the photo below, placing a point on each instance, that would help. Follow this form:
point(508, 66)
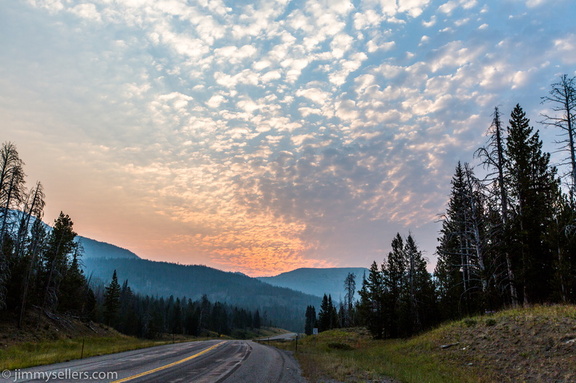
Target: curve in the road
point(168, 365)
point(230, 361)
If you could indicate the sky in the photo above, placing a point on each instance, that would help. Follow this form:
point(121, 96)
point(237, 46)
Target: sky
point(264, 136)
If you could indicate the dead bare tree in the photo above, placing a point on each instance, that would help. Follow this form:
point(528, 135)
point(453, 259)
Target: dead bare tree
point(562, 98)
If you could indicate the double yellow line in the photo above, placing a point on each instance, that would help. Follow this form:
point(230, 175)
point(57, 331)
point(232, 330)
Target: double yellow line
point(169, 365)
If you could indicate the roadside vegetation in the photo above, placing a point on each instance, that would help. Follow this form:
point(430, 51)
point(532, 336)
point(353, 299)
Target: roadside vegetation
point(536, 344)
point(47, 338)
point(55, 351)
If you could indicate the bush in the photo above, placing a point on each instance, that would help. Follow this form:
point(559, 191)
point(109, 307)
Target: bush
point(490, 322)
point(340, 346)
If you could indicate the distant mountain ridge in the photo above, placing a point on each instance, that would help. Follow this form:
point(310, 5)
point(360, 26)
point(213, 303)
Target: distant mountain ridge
point(91, 248)
point(283, 298)
point(284, 307)
point(318, 281)
point(97, 249)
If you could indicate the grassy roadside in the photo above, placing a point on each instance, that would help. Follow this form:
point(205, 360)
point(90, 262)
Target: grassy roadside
point(37, 353)
point(58, 338)
point(28, 354)
point(535, 344)
point(53, 351)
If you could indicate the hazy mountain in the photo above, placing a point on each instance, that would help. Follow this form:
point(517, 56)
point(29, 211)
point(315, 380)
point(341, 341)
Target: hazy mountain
point(285, 307)
point(318, 281)
point(91, 248)
point(97, 249)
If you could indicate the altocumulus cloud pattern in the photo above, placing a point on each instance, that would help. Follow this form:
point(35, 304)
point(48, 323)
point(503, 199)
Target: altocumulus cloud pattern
point(260, 136)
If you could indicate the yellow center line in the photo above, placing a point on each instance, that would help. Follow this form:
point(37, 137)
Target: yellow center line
point(168, 365)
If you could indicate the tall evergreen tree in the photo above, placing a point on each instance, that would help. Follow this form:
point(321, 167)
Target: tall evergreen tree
point(462, 269)
point(494, 159)
point(60, 247)
point(73, 288)
point(324, 314)
point(421, 300)
point(350, 291)
point(112, 301)
point(310, 322)
point(31, 286)
point(256, 321)
point(371, 306)
point(395, 281)
point(533, 190)
point(11, 195)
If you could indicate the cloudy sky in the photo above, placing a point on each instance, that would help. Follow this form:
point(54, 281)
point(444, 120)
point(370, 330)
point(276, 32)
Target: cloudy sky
point(262, 136)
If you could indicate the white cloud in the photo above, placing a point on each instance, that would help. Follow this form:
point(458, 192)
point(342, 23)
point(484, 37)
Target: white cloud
point(87, 11)
point(315, 95)
point(566, 49)
point(413, 7)
point(448, 7)
point(535, 3)
point(215, 101)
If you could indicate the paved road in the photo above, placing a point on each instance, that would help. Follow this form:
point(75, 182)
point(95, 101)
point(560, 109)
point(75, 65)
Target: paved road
point(230, 361)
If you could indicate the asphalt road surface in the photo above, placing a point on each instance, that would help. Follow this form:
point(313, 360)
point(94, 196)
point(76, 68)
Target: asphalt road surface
point(229, 361)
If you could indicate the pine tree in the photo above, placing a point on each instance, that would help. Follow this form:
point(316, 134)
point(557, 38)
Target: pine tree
point(324, 314)
point(310, 322)
point(462, 268)
point(256, 321)
point(350, 291)
point(59, 248)
point(112, 301)
point(533, 190)
point(332, 314)
point(31, 287)
point(371, 306)
point(395, 281)
point(11, 196)
point(73, 288)
point(494, 159)
point(421, 302)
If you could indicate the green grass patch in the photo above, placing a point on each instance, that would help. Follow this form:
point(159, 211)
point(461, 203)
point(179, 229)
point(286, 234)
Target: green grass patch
point(47, 352)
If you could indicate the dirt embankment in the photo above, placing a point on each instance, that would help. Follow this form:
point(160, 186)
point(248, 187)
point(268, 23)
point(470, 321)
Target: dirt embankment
point(526, 345)
point(41, 326)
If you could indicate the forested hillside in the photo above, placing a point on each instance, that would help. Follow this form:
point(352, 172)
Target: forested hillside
point(282, 307)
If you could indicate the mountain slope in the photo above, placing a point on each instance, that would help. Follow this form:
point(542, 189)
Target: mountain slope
point(318, 281)
point(97, 249)
point(284, 307)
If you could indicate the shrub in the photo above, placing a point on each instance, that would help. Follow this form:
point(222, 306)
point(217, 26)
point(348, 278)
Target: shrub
point(340, 346)
point(490, 322)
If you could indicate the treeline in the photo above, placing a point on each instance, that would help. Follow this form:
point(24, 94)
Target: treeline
point(508, 238)
point(332, 316)
point(397, 298)
point(40, 269)
point(150, 317)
